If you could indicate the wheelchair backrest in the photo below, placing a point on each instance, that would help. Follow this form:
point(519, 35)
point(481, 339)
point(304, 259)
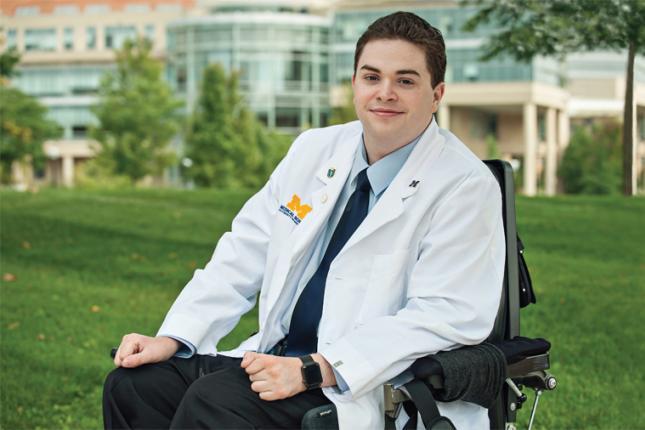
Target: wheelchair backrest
point(507, 323)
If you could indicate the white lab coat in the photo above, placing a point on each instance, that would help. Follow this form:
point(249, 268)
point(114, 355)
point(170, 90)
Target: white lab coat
point(422, 273)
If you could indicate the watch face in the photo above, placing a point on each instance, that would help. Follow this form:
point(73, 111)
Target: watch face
point(312, 375)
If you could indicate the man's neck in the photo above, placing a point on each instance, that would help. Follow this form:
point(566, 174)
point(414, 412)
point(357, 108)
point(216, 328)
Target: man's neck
point(378, 147)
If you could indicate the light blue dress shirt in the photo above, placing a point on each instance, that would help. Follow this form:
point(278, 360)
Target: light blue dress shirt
point(380, 175)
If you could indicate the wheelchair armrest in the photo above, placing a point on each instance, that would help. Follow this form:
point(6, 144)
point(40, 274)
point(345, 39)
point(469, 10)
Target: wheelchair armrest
point(528, 365)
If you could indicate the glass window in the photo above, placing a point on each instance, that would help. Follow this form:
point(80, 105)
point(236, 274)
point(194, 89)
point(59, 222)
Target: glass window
point(324, 73)
point(43, 81)
point(79, 131)
point(324, 36)
point(90, 38)
point(287, 117)
point(446, 25)
point(212, 35)
point(181, 78)
point(149, 32)
point(169, 8)
point(115, 36)
point(27, 11)
point(97, 9)
point(66, 9)
point(641, 126)
point(137, 8)
point(12, 38)
point(471, 72)
point(224, 58)
point(40, 39)
point(68, 38)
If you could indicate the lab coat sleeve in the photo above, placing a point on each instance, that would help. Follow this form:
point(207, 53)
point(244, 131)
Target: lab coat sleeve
point(213, 301)
point(452, 296)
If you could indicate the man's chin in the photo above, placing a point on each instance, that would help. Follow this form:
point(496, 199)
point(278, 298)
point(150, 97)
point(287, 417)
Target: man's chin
point(383, 134)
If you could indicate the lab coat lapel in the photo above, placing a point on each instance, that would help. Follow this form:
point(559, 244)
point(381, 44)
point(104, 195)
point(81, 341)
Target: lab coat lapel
point(405, 185)
point(323, 200)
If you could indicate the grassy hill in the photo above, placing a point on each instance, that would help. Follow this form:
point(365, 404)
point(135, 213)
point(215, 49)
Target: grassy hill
point(80, 269)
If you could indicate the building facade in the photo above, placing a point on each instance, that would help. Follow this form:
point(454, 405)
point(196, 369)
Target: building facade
point(281, 55)
point(295, 59)
point(66, 46)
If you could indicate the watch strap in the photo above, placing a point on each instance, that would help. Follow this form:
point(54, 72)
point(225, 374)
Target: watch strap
point(310, 365)
point(308, 360)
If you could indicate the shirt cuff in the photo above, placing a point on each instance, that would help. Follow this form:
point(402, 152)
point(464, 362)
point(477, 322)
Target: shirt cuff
point(340, 382)
point(186, 349)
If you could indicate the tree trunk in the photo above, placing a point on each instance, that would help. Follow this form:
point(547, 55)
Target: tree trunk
point(629, 182)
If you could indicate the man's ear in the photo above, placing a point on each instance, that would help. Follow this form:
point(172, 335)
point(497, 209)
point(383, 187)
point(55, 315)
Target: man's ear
point(439, 91)
point(437, 95)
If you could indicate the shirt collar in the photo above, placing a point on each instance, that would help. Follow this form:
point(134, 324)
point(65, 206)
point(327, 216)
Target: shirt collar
point(384, 170)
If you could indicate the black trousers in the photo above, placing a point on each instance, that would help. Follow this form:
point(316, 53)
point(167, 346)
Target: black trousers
point(198, 392)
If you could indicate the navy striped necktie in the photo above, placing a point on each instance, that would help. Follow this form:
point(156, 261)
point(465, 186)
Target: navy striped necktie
point(303, 330)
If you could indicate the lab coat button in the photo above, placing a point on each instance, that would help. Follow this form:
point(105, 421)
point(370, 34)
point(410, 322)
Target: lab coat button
point(323, 199)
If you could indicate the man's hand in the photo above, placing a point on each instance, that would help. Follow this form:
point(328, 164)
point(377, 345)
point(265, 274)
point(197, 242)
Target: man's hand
point(137, 349)
point(276, 378)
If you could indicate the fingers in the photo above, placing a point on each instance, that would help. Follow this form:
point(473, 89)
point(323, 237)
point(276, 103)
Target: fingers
point(261, 386)
point(270, 396)
point(248, 358)
point(136, 360)
point(129, 345)
point(261, 363)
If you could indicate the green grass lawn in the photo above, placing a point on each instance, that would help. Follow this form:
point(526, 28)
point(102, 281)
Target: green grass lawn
point(80, 269)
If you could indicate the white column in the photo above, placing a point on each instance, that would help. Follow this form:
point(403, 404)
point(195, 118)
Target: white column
point(564, 127)
point(68, 171)
point(444, 116)
point(529, 120)
point(564, 131)
point(551, 153)
point(100, 37)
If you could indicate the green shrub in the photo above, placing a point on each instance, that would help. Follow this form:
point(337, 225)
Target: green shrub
point(592, 162)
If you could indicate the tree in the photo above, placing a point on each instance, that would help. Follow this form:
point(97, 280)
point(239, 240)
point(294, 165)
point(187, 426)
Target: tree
point(557, 27)
point(345, 112)
point(492, 151)
point(24, 126)
point(8, 61)
point(137, 114)
point(592, 161)
point(211, 143)
point(225, 143)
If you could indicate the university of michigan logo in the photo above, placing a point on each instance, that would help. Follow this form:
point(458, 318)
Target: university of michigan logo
point(295, 210)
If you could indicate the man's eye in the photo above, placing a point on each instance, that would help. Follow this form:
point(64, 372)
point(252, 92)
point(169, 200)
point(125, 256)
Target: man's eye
point(406, 82)
point(371, 78)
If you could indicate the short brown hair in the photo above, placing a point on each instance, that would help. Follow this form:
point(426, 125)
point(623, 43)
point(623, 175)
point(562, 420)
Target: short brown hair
point(410, 28)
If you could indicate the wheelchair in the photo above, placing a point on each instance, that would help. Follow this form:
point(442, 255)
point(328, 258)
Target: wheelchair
point(524, 364)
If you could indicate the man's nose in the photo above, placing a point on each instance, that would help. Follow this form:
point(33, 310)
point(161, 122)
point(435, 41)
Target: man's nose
point(386, 91)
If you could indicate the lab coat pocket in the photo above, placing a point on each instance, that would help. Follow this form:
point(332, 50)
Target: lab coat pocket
point(387, 284)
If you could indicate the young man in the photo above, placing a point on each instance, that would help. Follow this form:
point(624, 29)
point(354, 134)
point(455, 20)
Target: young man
point(374, 243)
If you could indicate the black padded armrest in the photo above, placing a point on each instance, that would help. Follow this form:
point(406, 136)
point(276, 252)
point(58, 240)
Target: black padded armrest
point(476, 373)
point(519, 348)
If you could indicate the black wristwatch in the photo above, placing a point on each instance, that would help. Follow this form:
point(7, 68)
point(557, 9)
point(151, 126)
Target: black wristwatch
point(311, 376)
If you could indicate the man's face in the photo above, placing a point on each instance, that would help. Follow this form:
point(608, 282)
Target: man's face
point(393, 94)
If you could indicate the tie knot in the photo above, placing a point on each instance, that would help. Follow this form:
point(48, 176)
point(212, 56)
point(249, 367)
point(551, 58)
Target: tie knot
point(362, 182)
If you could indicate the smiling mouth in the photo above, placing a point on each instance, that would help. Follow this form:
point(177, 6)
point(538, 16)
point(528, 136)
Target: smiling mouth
point(385, 112)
